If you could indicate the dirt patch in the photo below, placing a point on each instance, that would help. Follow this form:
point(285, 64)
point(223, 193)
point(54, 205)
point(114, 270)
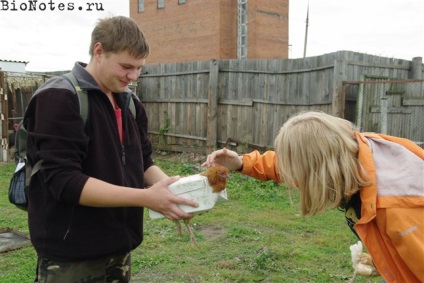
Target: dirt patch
point(212, 232)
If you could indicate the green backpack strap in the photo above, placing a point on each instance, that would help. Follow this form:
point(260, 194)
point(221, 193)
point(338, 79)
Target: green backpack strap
point(20, 142)
point(132, 105)
point(83, 102)
point(82, 96)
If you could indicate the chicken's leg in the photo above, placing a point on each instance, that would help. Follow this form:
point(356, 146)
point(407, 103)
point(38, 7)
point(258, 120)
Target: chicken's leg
point(192, 237)
point(178, 224)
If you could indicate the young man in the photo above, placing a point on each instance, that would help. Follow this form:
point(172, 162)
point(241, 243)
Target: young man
point(86, 202)
point(377, 179)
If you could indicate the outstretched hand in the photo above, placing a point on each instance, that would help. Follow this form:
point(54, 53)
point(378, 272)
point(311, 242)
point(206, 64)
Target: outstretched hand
point(166, 203)
point(224, 157)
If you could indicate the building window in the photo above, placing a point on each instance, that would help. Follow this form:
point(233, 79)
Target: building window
point(161, 4)
point(140, 6)
point(181, 1)
point(242, 30)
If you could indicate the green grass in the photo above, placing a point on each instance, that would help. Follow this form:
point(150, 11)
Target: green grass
point(257, 236)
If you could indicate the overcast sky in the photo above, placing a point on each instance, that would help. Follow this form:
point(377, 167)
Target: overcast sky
point(54, 40)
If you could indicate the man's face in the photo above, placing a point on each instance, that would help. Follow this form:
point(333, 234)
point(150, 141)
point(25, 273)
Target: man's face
point(117, 70)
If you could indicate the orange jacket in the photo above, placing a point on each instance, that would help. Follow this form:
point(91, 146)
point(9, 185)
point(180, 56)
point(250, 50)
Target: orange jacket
point(392, 216)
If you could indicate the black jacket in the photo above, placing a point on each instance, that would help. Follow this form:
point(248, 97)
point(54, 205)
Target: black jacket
point(60, 228)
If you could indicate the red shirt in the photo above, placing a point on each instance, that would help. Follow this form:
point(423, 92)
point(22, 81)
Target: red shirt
point(118, 114)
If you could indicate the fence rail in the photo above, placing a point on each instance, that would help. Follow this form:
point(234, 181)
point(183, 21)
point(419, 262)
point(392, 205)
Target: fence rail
point(200, 106)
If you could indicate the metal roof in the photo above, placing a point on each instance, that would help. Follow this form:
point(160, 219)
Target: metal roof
point(14, 61)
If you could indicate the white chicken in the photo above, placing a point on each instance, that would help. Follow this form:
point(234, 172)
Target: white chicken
point(361, 262)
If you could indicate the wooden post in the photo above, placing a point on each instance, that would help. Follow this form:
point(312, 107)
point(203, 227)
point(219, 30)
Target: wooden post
point(416, 68)
point(4, 131)
point(360, 104)
point(211, 135)
point(384, 109)
point(13, 93)
point(339, 75)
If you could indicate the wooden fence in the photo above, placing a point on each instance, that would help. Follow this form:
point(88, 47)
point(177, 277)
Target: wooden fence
point(204, 105)
point(200, 106)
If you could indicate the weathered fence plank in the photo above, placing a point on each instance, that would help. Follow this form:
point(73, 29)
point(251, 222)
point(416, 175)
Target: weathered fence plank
point(212, 107)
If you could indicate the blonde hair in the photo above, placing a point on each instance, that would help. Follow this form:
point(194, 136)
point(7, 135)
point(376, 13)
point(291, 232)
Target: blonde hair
point(117, 34)
point(317, 153)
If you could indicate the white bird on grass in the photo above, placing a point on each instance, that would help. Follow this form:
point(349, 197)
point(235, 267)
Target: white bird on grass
point(361, 262)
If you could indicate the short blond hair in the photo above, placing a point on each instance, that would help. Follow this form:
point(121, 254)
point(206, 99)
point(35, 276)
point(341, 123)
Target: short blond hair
point(317, 153)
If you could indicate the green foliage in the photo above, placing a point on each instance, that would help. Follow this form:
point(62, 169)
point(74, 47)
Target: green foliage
point(186, 169)
point(257, 236)
point(164, 129)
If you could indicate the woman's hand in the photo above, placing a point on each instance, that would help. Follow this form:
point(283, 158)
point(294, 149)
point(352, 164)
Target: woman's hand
point(224, 157)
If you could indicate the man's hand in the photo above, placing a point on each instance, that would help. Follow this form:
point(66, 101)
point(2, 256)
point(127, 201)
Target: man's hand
point(161, 200)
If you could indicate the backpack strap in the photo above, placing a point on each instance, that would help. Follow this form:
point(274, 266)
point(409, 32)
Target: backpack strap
point(20, 142)
point(132, 104)
point(31, 171)
point(82, 96)
point(83, 101)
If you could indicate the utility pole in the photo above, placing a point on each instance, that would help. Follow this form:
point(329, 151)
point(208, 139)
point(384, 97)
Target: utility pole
point(306, 32)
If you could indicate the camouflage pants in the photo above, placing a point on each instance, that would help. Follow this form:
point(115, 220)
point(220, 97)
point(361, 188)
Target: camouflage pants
point(113, 269)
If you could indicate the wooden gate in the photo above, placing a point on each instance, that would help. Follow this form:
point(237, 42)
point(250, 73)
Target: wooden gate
point(393, 107)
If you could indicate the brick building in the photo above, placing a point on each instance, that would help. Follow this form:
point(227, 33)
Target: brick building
point(197, 30)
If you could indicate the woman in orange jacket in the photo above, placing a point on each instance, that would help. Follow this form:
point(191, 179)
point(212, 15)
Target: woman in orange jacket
point(378, 180)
